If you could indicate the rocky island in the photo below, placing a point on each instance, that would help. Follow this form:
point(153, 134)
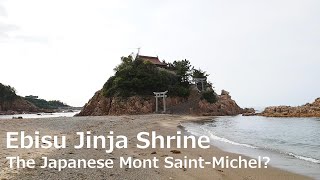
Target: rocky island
point(130, 90)
point(307, 110)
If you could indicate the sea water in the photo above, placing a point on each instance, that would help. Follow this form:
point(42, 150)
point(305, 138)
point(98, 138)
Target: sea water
point(40, 115)
point(292, 144)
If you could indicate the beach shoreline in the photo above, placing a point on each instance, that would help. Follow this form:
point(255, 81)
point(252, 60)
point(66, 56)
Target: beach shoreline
point(129, 126)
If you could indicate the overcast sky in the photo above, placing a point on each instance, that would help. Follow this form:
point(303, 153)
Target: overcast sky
point(264, 52)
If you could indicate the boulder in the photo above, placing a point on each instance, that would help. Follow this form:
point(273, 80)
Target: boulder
point(249, 112)
point(224, 92)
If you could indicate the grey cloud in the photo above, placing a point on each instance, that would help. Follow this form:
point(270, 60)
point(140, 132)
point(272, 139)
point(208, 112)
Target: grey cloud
point(6, 28)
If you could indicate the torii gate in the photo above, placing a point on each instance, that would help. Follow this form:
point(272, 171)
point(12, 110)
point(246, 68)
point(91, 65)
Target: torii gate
point(202, 80)
point(159, 95)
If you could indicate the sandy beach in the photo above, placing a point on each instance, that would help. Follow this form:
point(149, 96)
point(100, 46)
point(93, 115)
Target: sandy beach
point(129, 126)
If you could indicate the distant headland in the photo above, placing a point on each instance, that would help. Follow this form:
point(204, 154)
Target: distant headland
point(11, 103)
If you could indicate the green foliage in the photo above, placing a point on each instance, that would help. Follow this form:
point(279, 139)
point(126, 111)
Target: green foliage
point(180, 91)
point(209, 96)
point(126, 62)
point(198, 73)
point(182, 69)
point(136, 77)
point(57, 104)
point(43, 104)
point(7, 93)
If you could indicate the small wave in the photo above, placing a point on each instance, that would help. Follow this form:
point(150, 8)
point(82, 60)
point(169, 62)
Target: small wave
point(214, 137)
point(304, 158)
point(230, 142)
point(198, 131)
point(217, 138)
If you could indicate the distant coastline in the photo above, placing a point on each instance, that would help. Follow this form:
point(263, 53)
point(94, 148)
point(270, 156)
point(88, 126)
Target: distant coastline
point(11, 103)
point(307, 110)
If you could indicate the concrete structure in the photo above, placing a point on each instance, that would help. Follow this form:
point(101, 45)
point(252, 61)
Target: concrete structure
point(200, 80)
point(163, 96)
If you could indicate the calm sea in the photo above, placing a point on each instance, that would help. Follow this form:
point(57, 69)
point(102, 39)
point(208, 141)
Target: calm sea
point(292, 144)
point(40, 115)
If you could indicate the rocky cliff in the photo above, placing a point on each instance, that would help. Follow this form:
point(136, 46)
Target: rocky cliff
point(225, 106)
point(18, 105)
point(99, 105)
point(307, 110)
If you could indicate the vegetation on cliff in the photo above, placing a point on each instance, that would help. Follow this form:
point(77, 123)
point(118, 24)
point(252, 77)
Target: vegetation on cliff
point(137, 77)
point(7, 93)
point(209, 96)
point(44, 104)
point(12, 103)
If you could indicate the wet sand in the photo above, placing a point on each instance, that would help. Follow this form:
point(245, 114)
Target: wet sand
point(129, 126)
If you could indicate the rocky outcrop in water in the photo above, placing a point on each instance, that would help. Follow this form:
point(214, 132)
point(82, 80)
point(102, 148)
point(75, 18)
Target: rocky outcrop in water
point(307, 110)
point(99, 105)
point(249, 112)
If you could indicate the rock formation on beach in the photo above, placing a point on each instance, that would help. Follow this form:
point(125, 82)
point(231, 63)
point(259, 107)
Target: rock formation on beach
point(130, 91)
point(225, 106)
point(307, 110)
point(99, 105)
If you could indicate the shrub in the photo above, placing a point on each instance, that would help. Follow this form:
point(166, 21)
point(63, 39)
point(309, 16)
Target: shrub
point(209, 96)
point(136, 77)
